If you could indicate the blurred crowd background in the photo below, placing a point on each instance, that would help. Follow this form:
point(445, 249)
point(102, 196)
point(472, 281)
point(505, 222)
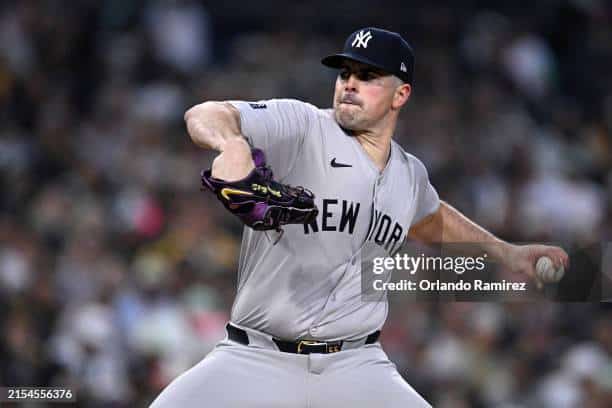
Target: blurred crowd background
point(117, 273)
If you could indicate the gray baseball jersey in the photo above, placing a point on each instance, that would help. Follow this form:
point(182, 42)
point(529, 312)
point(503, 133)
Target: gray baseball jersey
point(308, 285)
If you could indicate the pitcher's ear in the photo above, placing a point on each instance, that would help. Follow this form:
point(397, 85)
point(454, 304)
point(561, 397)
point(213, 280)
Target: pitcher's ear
point(402, 94)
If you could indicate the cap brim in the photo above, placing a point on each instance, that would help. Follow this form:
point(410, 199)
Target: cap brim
point(336, 60)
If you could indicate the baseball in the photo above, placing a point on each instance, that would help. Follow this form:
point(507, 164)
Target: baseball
point(546, 272)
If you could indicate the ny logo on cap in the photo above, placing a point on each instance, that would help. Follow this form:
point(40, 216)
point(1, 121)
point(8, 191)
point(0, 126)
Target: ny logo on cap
point(361, 39)
point(403, 67)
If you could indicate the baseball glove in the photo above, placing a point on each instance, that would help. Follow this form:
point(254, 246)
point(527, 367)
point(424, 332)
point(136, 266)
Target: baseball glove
point(259, 201)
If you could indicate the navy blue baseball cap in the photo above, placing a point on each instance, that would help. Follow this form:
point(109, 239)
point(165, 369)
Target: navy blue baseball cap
point(385, 50)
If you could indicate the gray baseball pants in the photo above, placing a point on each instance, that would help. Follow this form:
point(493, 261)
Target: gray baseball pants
point(260, 376)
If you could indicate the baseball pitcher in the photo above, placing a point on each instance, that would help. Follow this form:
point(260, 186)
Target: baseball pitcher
point(319, 191)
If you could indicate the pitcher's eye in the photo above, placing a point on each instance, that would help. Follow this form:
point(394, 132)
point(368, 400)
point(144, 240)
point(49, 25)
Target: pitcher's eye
point(367, 75)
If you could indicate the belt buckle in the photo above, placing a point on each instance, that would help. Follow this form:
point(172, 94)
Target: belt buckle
point(302, 343)
point(334, 347)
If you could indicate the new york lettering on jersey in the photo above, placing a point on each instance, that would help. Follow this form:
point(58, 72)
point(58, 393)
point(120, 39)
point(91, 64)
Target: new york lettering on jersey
point(383, 230)
point(344, 210)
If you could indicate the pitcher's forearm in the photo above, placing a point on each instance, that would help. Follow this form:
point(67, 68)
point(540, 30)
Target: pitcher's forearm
point(235, 162)
point(448, 225)
point(211, 124)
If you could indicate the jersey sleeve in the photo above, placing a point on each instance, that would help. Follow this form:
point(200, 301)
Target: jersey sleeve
point(278, 127)
point(426, 198)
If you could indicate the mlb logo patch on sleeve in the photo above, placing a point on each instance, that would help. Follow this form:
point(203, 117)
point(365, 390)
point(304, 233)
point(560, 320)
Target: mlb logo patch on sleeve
point(257, 105)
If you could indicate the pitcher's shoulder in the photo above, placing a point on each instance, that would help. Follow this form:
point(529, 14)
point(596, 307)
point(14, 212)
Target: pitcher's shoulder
point(401, 154)
point(408, 160)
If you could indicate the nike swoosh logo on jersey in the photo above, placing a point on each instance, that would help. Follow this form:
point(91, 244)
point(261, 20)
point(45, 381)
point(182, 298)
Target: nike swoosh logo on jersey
point(334, 164)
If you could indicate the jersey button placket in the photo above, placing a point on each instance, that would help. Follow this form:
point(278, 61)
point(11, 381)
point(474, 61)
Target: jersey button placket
point(377, 185)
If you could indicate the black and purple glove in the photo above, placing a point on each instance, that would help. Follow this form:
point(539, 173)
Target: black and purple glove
point(259, 201)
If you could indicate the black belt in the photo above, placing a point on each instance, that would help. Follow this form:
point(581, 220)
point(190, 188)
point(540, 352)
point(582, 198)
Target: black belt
point(300, 346)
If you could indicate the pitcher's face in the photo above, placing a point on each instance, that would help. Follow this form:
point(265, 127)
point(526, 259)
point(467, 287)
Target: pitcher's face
point(363, 95)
